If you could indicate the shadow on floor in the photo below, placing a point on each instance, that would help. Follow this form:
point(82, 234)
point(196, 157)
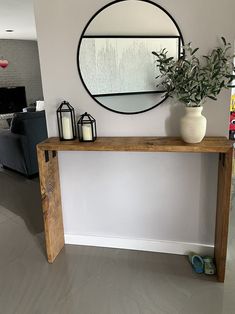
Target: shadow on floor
point(21, 196)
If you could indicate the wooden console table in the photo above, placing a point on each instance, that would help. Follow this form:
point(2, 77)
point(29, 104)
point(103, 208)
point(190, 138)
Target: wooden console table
point(50, 182)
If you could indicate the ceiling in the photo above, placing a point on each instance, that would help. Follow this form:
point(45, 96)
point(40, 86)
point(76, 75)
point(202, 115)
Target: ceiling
point(19, 16)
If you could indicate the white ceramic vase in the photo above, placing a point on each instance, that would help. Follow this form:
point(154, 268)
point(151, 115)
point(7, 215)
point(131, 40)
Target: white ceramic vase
point(193, 125)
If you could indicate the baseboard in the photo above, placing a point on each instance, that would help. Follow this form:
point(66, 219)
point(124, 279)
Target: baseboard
point(173, 247)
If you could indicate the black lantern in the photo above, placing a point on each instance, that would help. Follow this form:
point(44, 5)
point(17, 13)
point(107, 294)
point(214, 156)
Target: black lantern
point(66, 122)
point(87, 128)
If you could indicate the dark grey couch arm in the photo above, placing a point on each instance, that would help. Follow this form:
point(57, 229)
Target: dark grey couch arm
point(12, 153)
point(32, 126)
point(18, 145)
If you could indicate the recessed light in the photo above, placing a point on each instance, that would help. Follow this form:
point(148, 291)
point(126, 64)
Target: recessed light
point(9, 30)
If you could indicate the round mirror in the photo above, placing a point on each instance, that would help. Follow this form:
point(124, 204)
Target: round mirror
point(115, 59)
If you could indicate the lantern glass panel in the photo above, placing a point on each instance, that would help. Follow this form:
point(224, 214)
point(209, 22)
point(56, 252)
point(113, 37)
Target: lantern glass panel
point(86, 128)
point(66, 121)
point(67, 128)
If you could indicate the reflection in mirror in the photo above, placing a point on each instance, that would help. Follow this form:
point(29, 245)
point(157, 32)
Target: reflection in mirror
point(115, 59)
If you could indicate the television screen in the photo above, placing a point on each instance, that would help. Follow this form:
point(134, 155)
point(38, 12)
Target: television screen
point(12, 99)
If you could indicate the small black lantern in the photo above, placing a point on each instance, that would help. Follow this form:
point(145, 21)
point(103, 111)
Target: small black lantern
point(66, 122)
point(87, 128)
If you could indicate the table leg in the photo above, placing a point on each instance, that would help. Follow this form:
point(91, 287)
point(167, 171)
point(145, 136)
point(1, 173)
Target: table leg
point(222, 213)
point(51, 202)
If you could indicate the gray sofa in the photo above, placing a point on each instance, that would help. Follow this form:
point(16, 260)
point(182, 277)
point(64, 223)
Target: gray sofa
point(18, 144)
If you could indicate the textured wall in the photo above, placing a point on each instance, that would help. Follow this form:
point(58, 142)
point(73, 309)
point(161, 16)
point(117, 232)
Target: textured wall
point(23, 68)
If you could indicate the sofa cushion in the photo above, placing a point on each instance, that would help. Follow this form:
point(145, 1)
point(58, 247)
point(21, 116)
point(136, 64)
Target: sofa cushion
point(17, 125)
point(40, 105)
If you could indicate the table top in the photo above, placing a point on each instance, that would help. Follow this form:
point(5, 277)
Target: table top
point(140, 144)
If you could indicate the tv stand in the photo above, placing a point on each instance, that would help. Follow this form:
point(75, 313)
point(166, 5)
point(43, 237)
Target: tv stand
point(50, 181)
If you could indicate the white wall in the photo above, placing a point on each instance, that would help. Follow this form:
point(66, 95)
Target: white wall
point(132, 196)
point(136, 17)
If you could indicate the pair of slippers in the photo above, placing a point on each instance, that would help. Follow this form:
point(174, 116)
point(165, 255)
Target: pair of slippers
point(202, 264)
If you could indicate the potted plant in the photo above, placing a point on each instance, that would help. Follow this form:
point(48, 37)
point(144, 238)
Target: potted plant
point(192, 79)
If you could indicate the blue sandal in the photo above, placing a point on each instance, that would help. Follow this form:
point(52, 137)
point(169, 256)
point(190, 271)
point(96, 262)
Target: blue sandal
point(196, 262)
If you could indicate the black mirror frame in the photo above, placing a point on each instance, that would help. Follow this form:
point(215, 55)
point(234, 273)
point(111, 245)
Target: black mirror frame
point(80, 41)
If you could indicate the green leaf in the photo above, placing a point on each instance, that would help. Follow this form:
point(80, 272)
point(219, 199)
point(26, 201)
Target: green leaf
point(212, 97)
point(195, 50)
point(170, 58)
point(190, 79)
point(224, 40)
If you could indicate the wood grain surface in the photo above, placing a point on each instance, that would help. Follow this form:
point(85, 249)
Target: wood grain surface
point(140, 144)
point(222, 212)
point(51, 203)
point(50, 185)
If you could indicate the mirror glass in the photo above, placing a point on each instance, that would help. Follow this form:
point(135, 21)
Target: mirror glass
point(115, 59)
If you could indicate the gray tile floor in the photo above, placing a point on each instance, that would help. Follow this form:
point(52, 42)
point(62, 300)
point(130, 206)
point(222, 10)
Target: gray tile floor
point(86, 280)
